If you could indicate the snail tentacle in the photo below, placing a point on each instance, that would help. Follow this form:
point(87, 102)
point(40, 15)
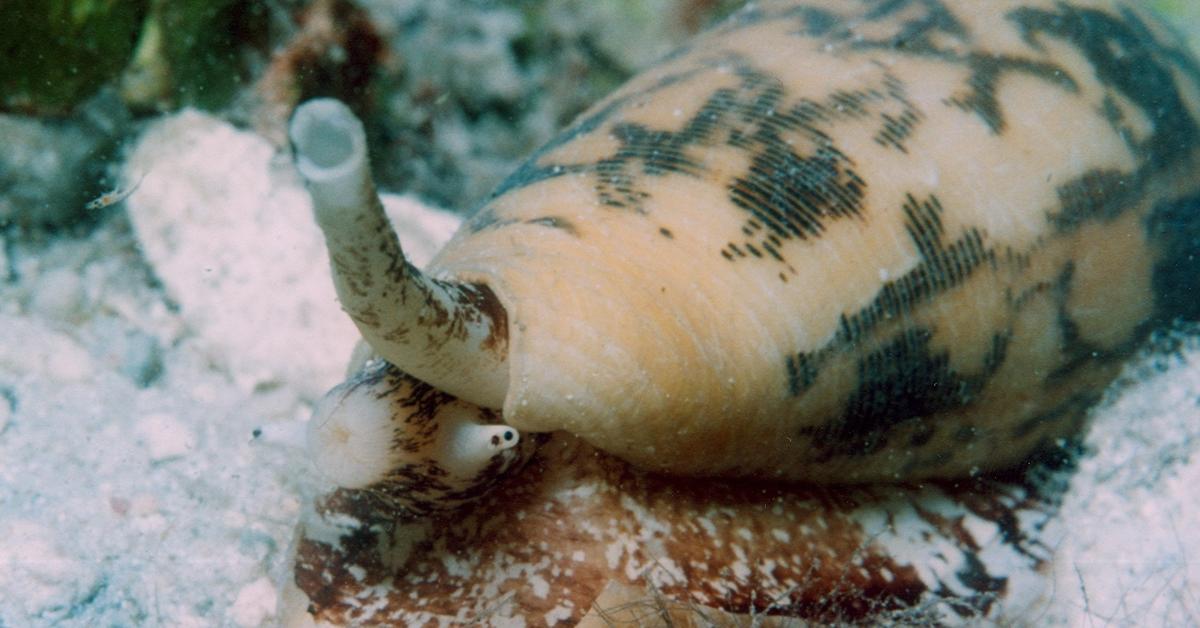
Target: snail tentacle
point(451, 335)
point(466, 446)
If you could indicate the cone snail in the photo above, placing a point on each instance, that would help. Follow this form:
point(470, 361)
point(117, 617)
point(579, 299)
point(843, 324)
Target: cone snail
point(827, 241)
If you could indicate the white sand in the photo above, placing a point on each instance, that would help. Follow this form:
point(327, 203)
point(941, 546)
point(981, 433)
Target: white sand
point(153, 394)
point(151, 436)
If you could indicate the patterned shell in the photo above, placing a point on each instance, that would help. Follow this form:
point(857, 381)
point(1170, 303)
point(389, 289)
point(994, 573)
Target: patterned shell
point(852, 240)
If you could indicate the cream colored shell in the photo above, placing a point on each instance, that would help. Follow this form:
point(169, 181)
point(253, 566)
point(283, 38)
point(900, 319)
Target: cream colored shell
point(850, 240)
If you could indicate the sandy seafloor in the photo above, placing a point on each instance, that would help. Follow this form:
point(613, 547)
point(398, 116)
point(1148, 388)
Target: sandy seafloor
point(157, 370)
point(153, 393)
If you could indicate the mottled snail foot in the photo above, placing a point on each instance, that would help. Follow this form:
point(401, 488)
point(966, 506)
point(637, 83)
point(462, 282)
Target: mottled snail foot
point(419, 449)
point(583, 538)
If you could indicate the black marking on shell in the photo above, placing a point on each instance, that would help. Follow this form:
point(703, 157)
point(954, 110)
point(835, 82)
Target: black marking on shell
point(933, 31)
point(967, 434)
point(998, 352)
point(1074, 408)
point(1128, 58)
point(1115, 116)
point(657, 151)
point(555, 222)
point(789, 193)
point(533, 171)
point(810, 21)
point(928, 19)
point(1096, 195)
point(923, 432)
point(1076, 352)
point(1174, 226)
point(931, 20)
point(942, 267)
point(899, 383)
point(896, 129)
point(793, 196)
point(799, 179)
point(986, 71)
point(802, 369)
point(815, 22)
point(486, 217)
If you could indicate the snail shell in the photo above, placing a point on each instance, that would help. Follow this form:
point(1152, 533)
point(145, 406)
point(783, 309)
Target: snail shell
point(826, 241)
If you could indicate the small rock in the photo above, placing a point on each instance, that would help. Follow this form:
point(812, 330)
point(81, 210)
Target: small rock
point(8, 405)
point(141, 359)
point(34, 566)
point(119, 505)
point(143, 505)
point(165, 437)
point(255, 603)
point(29, 347)
point(59, 295)
point(69, 364)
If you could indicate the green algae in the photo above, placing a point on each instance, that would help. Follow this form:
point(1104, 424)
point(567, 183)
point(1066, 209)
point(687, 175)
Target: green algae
point(57, 53)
